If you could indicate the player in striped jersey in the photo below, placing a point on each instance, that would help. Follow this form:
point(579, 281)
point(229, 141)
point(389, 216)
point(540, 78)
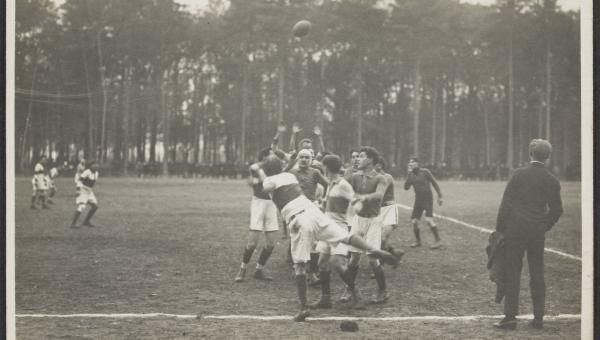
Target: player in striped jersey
point(86, 196)
point(307, 224)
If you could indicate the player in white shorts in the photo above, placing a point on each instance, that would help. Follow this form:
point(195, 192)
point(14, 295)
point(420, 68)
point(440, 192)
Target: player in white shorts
point(389, 209)
point(52, 174)
point(39, 184)
point(370, 186)
point(263, 219)
point(337, 202)
point(86, 195)
point(307, 224)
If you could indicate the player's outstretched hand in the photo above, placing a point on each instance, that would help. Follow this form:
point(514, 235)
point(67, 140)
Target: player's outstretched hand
point(440, 201)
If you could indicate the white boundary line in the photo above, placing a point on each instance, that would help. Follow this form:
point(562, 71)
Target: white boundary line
point(289, 317)
point(489, 231)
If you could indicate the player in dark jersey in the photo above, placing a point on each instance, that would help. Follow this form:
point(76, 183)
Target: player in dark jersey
point(86, 196)
point(263, 219)
point(307, 224)
point(421, 180)
point(370, 187)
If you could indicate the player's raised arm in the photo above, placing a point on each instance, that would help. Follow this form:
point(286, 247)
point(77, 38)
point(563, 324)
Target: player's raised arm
point(295, 130)
point(321, 145)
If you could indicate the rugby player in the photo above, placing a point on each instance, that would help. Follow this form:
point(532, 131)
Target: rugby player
point(78, 171)
point(389, 209)
point(263, 219)
point(337, 202)
point(308, 224)
point(309, 179)
point(52, 174)
point(354, 168)
point(421, 180)
point(370, 187)
point(86, 196)
point(40, 184)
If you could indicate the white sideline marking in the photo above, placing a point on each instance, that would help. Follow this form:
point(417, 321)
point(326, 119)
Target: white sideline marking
point(289, 317)
point(489, 231)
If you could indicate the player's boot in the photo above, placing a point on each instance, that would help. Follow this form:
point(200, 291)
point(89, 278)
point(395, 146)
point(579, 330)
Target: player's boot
point(381, 297)
point(436, 245)
point(386, 257)
point(396, 252)
point(323, 303)
point(346, 295)
point(260, 274)
point(240, 275)
point(302, 315)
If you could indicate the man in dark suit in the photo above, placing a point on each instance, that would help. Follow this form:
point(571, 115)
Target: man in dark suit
point(530, 207)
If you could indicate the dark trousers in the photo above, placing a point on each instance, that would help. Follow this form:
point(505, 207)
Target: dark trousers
point(516, 246)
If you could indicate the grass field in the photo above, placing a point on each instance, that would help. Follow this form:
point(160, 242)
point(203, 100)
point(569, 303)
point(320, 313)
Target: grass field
point(174, 246)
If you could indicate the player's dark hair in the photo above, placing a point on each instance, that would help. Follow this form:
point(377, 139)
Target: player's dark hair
point(272, 165)
point(414, 159)
point(263, 153)
point(371, 153)
point(540, 149)
point(353, 151)
point(333, 163)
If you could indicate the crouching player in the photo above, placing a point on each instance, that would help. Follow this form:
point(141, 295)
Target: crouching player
point(263, 219)
point(86, 196)
point(308, 224)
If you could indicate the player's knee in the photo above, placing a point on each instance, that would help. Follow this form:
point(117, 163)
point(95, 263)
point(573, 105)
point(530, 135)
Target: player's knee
point(80, 207)
point(373, 262)
point(300, 269)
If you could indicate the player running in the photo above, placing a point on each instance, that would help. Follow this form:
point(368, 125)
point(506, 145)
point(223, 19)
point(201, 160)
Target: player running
point(263, 219)
point(52, 174)
point(308, 224)
point(40, 184)
point(86, 196)
point(421, 180)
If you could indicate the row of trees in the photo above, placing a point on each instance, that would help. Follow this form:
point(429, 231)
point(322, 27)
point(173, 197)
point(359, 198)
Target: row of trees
point(149, 81)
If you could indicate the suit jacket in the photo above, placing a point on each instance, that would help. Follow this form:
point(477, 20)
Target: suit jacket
point(531, 201)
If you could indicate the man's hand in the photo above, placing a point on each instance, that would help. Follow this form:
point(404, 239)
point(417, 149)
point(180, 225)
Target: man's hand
point(296, 128)
point(440, 201)
point(317, 130)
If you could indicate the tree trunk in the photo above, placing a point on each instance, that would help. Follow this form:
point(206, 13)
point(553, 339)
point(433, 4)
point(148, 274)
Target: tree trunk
point(444, 125)
point(434, 120)
point(510, 147)
point(166, 124)
point(417, 105)
point(126, 114)
point(27, 126)
point(245, 109)
point(548, 10)
point(90, 150)
point(360, 109)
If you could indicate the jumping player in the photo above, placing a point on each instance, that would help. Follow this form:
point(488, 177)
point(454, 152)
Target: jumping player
point(263, 219)
point(308, 224)
point(86, 196)
point(421, 180)
point(40, 184)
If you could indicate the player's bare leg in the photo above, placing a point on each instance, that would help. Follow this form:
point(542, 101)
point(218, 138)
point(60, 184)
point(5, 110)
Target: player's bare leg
point(33, 201)
point(264, 256)
point(78, 211)
point(248, 251)
point(349, 278)
point(300, 277)
point(313, 268)
point(434, 231)
point(415, 224)
point(88, 218)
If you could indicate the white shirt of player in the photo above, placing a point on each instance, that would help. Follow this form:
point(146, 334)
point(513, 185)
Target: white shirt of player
point(88, 178)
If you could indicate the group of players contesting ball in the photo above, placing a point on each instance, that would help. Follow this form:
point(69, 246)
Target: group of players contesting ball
point(354, 214)
point(333, 215)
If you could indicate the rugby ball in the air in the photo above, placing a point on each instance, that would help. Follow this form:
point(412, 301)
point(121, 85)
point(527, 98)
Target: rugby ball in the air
point(301, 28)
